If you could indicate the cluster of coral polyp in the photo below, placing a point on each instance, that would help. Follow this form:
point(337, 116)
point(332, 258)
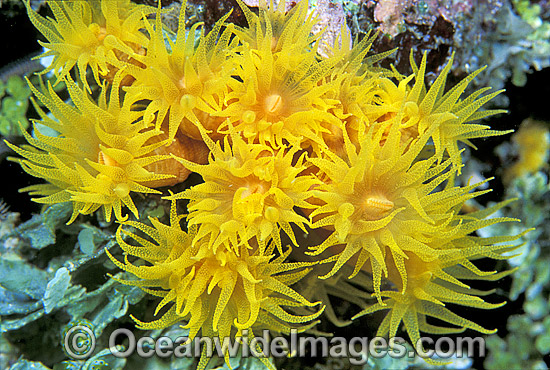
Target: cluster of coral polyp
point(292, 147)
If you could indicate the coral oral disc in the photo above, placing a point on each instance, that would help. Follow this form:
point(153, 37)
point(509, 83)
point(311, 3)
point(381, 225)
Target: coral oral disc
point(103, 158)
point(376, 207)
point(254, 188)
point(273, 104)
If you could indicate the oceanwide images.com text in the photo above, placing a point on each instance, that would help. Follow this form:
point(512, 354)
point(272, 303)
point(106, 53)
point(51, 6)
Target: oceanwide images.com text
point(80, 344)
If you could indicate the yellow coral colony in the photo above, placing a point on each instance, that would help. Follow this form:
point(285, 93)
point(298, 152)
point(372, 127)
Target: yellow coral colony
point(533, 143)
point(288, 132)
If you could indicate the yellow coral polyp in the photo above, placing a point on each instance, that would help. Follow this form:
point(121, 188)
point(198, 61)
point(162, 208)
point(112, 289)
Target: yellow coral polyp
point(432, 284)
point(94, 34)
point(420, 109)
point(218, 294)
point(378, 201)
point(277, 95)
point(533, 144)
point(98, 158)
point(249, 192)
point(286, 28)
point(187, 85)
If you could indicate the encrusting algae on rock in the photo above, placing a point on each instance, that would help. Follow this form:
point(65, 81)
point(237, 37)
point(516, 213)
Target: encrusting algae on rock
point(287, 142)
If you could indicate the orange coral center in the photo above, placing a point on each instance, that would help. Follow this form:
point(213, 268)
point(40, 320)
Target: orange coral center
point(99, 31)
point(103, 158)
point(273, 103)
point(274, 42)
point(181, 83)
point(376, 207)
point(254, 188)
